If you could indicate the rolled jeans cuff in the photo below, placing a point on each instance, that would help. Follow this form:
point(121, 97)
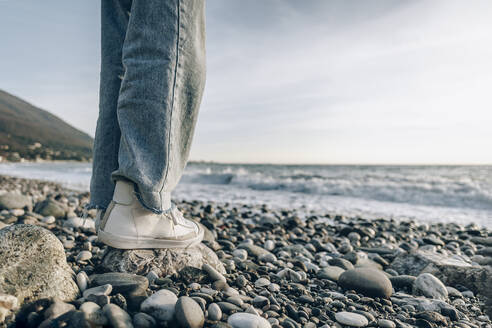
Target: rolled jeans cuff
point(157, 202)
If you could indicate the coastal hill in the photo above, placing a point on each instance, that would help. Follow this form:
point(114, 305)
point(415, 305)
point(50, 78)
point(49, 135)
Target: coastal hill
point(28, 132)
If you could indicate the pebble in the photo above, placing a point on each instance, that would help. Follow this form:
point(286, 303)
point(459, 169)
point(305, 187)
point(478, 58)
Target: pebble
point(49, 219)
point(117, 317)
point(383, 323)
point(247, 320)
point(188, 313)
point(331, 273)
point(160, 305)
point(288, 272)
point(99, 290)
point(84, 256)
point(262, 282)
point(94, 313)
point(240, 254)
point(351, 319)
point(143, 320)
point(214, 312)
point(57, 309)
point(428, 285)
point(82, 280)
point(269, 245)
point(367, 281)
point(127, 284)
point(212, 273)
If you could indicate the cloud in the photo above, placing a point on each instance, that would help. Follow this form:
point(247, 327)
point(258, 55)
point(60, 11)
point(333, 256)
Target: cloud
point(294, 81)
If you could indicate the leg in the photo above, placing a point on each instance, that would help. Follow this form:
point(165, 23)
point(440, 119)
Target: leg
point(114, 21)
point(164, 61)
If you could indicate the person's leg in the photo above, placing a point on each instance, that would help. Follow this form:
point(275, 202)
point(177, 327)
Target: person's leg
point(114, 22)
point(161, 91)
point(164, 61)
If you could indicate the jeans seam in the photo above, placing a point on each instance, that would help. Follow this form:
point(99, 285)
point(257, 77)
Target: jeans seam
point(173, 101)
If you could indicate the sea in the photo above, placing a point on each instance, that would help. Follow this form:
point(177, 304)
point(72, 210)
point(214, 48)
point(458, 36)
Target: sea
point(429, 194)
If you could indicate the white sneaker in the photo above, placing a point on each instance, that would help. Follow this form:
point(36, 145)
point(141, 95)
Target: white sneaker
point(126, 224)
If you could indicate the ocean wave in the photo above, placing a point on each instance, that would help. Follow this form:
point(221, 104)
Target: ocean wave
point(410, 186)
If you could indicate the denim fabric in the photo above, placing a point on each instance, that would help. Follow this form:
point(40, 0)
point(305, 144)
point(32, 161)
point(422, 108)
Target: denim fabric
point(152, 81)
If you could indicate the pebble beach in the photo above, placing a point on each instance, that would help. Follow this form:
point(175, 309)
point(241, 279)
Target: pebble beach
point(257, 267)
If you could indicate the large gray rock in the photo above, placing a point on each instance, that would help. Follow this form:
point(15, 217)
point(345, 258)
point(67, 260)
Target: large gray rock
point(456, 270)
point(161, 261)
point(33, 265)
point(12, 200)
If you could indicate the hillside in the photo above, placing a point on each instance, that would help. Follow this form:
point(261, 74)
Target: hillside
point(33, 133)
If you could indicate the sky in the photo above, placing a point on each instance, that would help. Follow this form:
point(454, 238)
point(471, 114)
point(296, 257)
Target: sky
point(288, 81)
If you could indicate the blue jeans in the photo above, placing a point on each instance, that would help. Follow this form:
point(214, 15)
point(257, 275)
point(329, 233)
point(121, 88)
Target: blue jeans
point(151, 86)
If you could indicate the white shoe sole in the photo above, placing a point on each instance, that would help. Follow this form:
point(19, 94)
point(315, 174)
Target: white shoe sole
point(125, 242)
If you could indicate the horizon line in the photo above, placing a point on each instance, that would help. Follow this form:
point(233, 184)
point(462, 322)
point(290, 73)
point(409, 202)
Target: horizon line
point(338, 164)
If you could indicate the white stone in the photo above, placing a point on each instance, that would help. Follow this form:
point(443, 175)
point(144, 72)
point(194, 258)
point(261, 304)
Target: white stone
point(49, 219)
point(262, 282)
point(428, 285)
point(84, 256)
point(17, 212)
point(247, 320)
point(351, 319)
point(82, 280)
point(240, 254)
point(269, 245)
point(99, 290)
point(160, 305)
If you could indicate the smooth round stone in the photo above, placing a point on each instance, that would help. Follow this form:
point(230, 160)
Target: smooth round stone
point(117, 317)
point(99, 290)
point(57, 309)
point(241, 281)
point(143, 320)
point(126, 284)
point(428, 285)
point(82, 280)
point(151, 277)
point(49, 219)
point(260, 301)
point(212, 273)
point(267, 258)
point(228, 307)
point(274, 288)
point(367, 281)
point(214, 312)
point(94, 313)
point(331, 273)
point(247, 320)
point(269, 245)
point(383, 323)
point(240, 254)
point(262, 282)
point(194, 286)
point(236, 300)
point(160, 305)
point(84, 256)
point(351, 319)
point(189, 313)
